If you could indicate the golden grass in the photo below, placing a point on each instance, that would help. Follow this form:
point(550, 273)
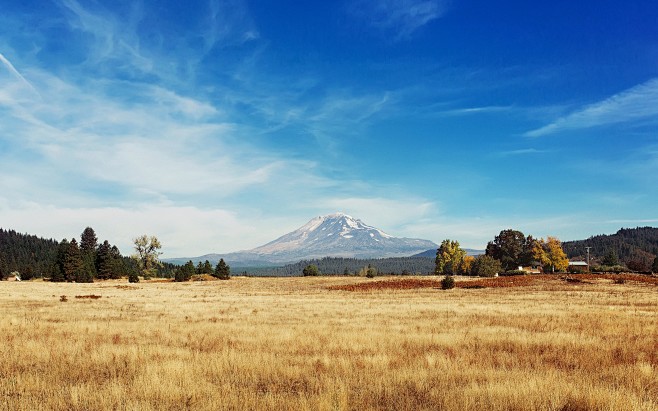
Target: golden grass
point(293, 343)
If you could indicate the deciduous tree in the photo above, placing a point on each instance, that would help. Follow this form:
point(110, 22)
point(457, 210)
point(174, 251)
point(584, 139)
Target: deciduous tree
point(449, 257)
point(147, 254)
point(557, 259)
point(508, 247)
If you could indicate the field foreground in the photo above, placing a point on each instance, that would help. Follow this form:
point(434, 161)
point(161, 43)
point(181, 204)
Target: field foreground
point(311, 343)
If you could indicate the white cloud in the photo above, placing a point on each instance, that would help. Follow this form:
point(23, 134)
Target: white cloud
point(183, 231)
point(15, 72)
point(521, 152)
point(402, 17)
point(637, 103)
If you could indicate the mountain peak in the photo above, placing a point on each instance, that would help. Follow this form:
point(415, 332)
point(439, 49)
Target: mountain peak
point(339, 235)
point(331, 235)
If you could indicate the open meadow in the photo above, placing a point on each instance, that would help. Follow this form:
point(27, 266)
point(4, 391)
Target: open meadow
point(314, 344)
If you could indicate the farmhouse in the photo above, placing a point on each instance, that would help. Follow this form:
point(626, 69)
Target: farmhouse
point(534, 268)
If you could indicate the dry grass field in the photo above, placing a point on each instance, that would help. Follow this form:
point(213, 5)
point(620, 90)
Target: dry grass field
point(312, 344)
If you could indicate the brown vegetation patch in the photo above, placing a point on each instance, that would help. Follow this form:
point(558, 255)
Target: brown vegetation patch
point(89, 296)
point(498, 282)
point(397, 284)
point(203, 277)
point(638, 278)
point(127, 287)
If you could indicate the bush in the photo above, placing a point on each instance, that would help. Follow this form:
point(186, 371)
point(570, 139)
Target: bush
point(311, 271)
point(447, 283)
point(133, 277)
point(514, 272)
point(486, 266)
point(609, 269)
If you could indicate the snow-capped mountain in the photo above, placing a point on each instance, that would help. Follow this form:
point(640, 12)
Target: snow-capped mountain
point(334, 235)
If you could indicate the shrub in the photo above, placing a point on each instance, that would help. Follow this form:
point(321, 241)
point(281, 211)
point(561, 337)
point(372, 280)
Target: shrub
point(486, 266)
point(609, 269)
point(133, 277)
point(311, 270)
point(447, 283)
point(514, 272)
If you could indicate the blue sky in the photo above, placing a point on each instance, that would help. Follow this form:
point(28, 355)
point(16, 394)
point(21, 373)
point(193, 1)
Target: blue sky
point(220, 125)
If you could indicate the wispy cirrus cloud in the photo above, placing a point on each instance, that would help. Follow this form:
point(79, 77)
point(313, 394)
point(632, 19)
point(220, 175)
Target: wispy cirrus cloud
point(401, 17)
point(521, 152)
point(637, 103)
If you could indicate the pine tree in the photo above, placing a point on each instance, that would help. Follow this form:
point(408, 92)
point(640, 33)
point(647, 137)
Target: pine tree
point(58, 273)
point(185, 272)
point(118, 263)
point(207, 268)
point(88, 245)
point(72, 262)
point(104, 264)
point(223, 271)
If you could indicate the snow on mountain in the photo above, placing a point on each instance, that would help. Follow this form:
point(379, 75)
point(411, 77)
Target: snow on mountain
point(334, 235)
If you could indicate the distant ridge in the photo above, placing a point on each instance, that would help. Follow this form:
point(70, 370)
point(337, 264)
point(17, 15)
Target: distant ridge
point(624, 243)
point(333, 235)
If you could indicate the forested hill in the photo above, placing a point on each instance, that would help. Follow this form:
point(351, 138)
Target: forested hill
point(351, 266)
point(28, 254)
point(625, 243)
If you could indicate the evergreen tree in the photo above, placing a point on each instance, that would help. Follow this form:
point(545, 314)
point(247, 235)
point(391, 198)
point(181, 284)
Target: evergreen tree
point(88, 241)
point(133, 277)
point(207, 268)
point(185, 272)
point(4, 272)
point(104, 261)
point(72, 262)
point(654, 266)
point(118, 263)
point(58, 273)
point(199, 268)
point(88, 245)
point(610, 258)
point(222, 271)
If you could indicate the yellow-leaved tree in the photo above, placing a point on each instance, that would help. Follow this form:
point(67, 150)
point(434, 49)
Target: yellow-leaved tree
point(449, 258)
point(550, 254)
point(557, 259)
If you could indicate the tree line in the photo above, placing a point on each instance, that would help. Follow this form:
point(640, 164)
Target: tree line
point(185, 272)
point(73, 260)
point(507, 253)
point(348, 266)
point(29, 255)
point(634, 248)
